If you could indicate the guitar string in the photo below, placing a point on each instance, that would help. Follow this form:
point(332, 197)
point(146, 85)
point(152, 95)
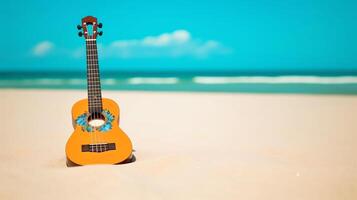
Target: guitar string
point(94, 89)
point(97, 89)
point(91, 100)
point(89, 90)
point(99, 93)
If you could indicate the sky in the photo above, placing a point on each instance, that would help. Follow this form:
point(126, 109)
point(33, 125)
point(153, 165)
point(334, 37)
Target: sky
point(200, 35)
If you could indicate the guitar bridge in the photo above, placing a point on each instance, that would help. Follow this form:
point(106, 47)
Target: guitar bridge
point(101, 147)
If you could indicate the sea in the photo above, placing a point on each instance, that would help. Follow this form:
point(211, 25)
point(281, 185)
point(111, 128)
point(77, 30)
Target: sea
point(235, 82)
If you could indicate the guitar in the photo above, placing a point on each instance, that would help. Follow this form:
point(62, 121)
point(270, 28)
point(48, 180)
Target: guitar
point(97, 137)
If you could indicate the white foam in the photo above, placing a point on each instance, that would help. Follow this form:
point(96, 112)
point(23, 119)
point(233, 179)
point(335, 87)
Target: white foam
point(276, 80)
point(153, 80)
point(47, 81)
point(109, 81)
point(76, 81)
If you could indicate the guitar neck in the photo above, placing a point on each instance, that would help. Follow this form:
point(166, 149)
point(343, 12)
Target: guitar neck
point(93, 78)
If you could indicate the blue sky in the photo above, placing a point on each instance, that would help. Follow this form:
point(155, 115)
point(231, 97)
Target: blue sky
point(249, 35)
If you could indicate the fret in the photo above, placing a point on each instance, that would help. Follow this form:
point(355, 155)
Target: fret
point(95, 107)
point(95, 104)
point(94, 85)
point(92, 94)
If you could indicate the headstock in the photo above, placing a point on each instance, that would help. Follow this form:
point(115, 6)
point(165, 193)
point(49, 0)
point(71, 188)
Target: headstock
point(89, 20)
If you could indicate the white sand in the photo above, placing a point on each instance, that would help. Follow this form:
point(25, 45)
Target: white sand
point(188, 146)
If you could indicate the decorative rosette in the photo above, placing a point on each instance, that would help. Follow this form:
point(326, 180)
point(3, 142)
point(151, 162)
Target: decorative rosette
point(108, 123)
point(82, 121)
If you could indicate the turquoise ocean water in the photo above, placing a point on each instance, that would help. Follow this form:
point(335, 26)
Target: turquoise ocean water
point(189, 82)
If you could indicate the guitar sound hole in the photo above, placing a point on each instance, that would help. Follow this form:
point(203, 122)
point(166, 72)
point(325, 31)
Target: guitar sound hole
point(96, 119)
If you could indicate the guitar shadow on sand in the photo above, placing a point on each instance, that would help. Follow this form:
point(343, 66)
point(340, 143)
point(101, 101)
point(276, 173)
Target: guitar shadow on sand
point(131, 159)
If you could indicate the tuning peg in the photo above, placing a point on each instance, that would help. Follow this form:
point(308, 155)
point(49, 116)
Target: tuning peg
point(100, 25)
point(80, 34)
point(100, 33)
point(79, 27)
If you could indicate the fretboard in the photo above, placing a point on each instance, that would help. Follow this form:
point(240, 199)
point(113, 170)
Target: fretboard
point(93, 78)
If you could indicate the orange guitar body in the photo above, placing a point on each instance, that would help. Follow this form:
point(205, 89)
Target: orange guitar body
point(106, 144)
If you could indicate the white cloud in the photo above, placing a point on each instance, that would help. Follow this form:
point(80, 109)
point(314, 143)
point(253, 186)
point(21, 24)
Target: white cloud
point(42, 48)
point(166, 39)
point(175, 44)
